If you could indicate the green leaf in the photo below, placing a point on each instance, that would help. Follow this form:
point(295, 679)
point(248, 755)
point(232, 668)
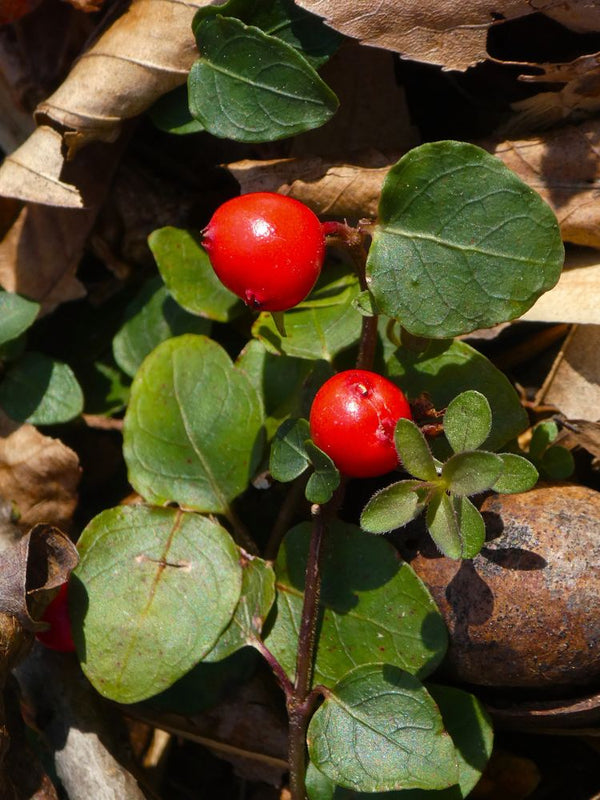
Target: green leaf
point(467, 421)
point(252, 87)
point(154, 589)
point(379, 730)
point(373, 606)
point(256, 598)
point(364, 304)
point(286, 384)
point(557, 463)
point(151, 318)
point(392, 507)
point(518, 474)
point(444, 369)
point(470, 525)
point(16, 315)
point(189, 277)
point(325, 479)
point(413, 451)
point(284, 19)
point(192, 432)
point(289, 457)
point(469, 726)
point(442, 524)
point(461, 242)
point(40, 390)
point(105, 388)
point(471, 730)
point(171, 113)
point(472, 472)
point(322, 325)
point(542, 437)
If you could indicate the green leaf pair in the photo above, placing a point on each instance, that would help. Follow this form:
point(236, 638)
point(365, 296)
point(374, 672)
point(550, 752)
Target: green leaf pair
point(553, 461)
point(293, 452)
point(453, 521)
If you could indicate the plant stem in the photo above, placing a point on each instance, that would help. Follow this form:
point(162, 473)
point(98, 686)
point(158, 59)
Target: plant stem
point(300, 703)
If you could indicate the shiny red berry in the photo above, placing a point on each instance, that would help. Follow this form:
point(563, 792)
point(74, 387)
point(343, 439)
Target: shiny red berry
point(266, 248)
point(353, 417)
point(58, 636)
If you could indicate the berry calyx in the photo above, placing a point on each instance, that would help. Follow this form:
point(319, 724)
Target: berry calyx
point(58, 636)
point(353, 418)
point(266, 248)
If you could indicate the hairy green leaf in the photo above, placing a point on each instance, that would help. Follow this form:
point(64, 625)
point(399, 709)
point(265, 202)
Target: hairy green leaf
point(413, 451)
point(467, 421)
point(392, 507)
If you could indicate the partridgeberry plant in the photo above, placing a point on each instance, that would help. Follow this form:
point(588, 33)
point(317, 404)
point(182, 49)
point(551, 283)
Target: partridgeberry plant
point(278, 362)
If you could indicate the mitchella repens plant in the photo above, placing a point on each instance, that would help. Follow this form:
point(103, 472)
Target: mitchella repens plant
point(192, 576)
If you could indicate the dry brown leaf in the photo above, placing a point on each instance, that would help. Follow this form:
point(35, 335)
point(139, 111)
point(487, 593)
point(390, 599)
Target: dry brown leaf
point(373, 112)
point(573, 384)
point(145, 53)
point(579, 96)
point(451, 34)
point(575, 298)
point(580, 433)
point(328, 187)
point(38, 474)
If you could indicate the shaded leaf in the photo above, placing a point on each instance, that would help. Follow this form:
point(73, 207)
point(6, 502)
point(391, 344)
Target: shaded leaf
point(470, 525)
point(472, 472)
point(251, 87)
point(444, 369)
point(40, 390)
point(322, 325)
point(373, 605)
point(461, 242)
point(325, 478)
point(392, 507)
point(16, 315)
point(151, 318)
point(189, 277)
point(518, 474)
point(192, 431)
point(142, 568)
point(380, 730)
point(414, 451)
point(467, 421)
point(289, 456)
point(256, 598)
point(171, 113)
point(558, 463)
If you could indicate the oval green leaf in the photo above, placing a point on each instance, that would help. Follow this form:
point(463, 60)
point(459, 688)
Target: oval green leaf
point(40, 390)
point(192, 432)
point(374, 607)
point(472, 472)
point(16, 315)
point(289, 456)
point(151, 318)
point(467, 421)
point(461, 242)
point(470, 525)
point(325, 478)
point(443, 526)
point(141, 571)
point(392, 507)
point(444, 369)
point(252, 87)
point(518, 474)
point(322, 325)
point(414, 451)
point(379, 730)
point(186, 270)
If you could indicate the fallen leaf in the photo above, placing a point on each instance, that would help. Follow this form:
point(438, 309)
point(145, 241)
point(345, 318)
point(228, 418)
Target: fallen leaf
point(453, 35)
point(580, 432)
point(145, 53)
point(579, 95)
point(327, 186)
point(373, 112)
point(575, 296)
point(573, 384)
point(38, 474)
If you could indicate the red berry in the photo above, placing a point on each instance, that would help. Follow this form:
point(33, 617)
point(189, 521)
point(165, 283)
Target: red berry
point(353, 417)
point(58, 636)
point(266, 248)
